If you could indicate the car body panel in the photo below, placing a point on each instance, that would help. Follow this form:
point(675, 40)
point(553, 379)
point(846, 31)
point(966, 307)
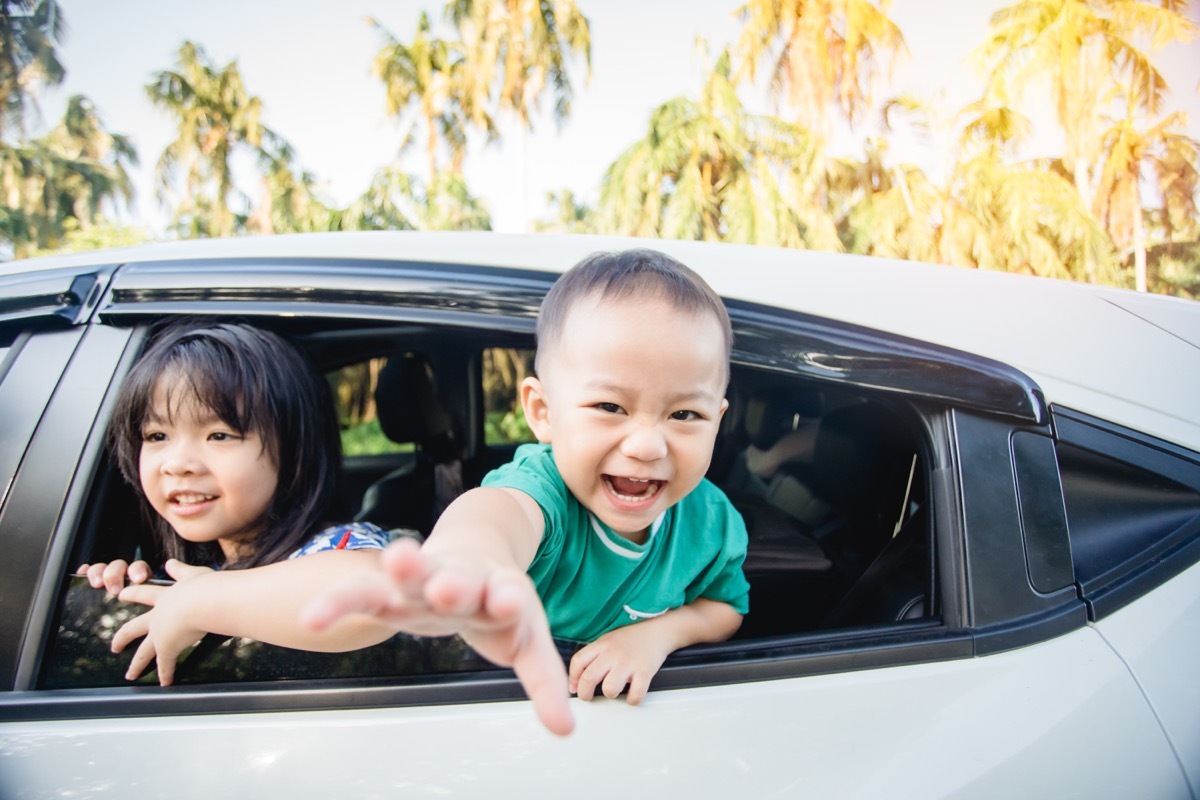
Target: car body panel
point(1158, 642)
point(858, 734)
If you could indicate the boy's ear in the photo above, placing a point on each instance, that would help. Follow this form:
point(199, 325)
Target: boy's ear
point(537, 411)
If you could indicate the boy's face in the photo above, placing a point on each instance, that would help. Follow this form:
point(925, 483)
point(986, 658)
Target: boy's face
point(630, 399)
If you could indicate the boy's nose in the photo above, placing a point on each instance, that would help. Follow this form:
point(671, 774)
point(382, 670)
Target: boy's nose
point(644, 443)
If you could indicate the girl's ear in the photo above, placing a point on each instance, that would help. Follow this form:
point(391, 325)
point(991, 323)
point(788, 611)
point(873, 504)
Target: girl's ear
point(537, 411)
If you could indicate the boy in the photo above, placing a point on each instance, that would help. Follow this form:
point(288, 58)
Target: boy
point(609, 520)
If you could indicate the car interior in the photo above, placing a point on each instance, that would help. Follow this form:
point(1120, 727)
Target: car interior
point(830, 479)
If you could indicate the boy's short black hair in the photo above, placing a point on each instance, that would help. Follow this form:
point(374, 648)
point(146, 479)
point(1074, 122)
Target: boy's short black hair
point(254, 381)
point(636, 273)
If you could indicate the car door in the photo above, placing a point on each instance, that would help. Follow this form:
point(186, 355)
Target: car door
point(1002, 687)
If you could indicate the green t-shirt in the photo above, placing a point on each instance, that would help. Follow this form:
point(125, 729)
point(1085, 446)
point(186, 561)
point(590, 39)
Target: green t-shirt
point(592, 580)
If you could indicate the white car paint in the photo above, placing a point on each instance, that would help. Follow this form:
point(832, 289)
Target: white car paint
point(930, 731)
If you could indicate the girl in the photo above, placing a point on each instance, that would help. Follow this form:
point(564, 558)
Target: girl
point(230, 438)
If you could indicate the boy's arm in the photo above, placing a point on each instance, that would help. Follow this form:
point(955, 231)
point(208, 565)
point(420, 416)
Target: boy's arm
point(632, 655)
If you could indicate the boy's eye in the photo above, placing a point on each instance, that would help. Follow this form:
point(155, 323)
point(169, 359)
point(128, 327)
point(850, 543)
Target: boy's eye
point(608, 408)
point(222, 436)
point(684, 416)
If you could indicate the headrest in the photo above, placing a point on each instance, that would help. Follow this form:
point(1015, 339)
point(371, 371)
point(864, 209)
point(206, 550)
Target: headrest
point(406, 400)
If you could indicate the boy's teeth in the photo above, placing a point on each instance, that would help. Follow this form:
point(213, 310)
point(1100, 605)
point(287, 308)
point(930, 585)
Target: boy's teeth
point(633, 488)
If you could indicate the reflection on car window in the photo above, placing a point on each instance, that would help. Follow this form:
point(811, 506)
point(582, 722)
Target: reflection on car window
point(79, 655)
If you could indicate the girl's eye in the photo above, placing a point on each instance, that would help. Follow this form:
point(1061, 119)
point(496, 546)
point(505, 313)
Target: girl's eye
point(222, 436)
point(608, 408)
point(684, 416)
point(154, 436)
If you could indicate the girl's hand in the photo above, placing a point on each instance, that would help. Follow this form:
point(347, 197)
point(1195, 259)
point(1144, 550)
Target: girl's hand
point(628, 656)
point(113, 574)
point(165, 625)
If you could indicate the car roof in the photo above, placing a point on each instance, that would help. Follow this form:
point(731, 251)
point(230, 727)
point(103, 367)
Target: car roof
point(1128, 357)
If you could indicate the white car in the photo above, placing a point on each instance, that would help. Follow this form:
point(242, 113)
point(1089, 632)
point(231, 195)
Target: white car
point(979, 580)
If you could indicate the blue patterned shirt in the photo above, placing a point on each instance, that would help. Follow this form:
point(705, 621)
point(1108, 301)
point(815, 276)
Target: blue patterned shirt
point(350, 536)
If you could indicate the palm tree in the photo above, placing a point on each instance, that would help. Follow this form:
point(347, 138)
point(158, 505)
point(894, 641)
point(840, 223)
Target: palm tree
point(569, 215)
point(216, 117)
point(29, 32)
point(59, 183)
point(397, 200)
point(429, 74)
point(831, 53)
point(1088, 51)
point(290, 200)
point(709, 170)
point(1174, 160)
point(516, 50)
point(99, 160)
point(1017, 217)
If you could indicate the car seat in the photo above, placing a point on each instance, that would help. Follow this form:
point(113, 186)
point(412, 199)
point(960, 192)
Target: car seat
point(414, 494)
point(866, 467)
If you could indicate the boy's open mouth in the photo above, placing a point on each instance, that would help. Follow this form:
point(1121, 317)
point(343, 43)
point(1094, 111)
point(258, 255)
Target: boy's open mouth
point(633, 490)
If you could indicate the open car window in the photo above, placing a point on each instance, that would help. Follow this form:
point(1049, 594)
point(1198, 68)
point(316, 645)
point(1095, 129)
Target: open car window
point(831, 480)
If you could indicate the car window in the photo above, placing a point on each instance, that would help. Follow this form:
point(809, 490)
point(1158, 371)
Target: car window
point(353, 387)
point(1132, 506)
point(504, 368)
point(830, 479)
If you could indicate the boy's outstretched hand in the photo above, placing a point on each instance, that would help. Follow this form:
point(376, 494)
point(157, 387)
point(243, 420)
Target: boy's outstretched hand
point(498, 613)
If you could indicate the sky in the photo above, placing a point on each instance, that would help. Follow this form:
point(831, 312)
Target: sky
point(310, 62)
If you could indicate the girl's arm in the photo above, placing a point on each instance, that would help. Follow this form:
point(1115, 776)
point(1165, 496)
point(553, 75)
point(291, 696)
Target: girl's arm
point(262, 603)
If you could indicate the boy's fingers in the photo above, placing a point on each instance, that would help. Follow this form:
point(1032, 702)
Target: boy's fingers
point(540, 670)
point(455, 593)
point(371, 597)
point(405, 564)
point(536, 662)
point(639, 684)
point(579, 662)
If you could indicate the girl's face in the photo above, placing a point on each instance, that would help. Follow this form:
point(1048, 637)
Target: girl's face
point(208, 482)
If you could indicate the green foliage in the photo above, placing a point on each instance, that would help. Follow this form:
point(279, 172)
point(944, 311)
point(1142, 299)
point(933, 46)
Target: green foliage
point(368, 439)
point(507, 427)
point(97, 237)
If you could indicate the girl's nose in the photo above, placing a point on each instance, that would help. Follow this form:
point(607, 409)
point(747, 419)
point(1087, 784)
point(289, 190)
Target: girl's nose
point(644, 443)
point(181, 460)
